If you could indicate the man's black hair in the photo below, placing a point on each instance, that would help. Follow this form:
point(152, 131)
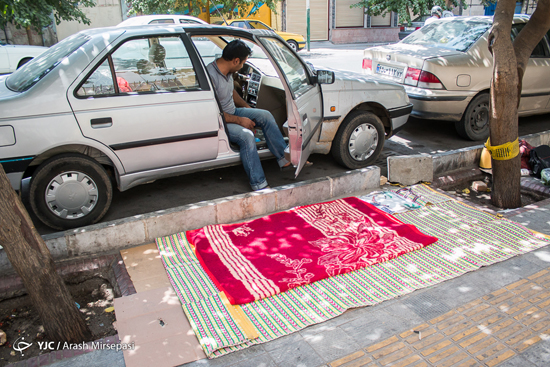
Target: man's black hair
point(236, 49)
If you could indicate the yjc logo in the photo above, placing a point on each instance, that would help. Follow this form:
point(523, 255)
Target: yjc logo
point(20, 346)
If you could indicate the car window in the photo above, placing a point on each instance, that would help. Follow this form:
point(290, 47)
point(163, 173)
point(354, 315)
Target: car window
point(162, 21)
point(292, 68)
point(189, 21)
point(239, 25)
point(143, 65)
point(539, 50)
point(36, 69)
point(458, 35)
point(258, 25)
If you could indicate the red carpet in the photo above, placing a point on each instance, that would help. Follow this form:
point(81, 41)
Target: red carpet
point(257, 259)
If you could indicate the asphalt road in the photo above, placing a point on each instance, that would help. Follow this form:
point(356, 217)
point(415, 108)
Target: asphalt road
point(418, 136)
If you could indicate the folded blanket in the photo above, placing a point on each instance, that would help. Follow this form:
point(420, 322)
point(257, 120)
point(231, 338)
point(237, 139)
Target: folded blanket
point(263, 257)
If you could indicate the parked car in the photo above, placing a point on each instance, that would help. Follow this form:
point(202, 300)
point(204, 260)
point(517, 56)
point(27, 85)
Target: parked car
point(296, 41)
point(128, 105)
point(416, 23)
point(446, 69)
point(161, 19)
point(13, 57)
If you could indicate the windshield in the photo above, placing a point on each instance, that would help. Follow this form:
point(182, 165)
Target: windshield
point(36, 69)
point(457, 35)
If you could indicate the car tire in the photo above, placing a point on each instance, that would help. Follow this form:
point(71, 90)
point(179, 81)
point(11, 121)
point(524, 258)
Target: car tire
point(475, 122)
point(24, 61)
point(293, 45)
point(359, 140)
point(78, 189)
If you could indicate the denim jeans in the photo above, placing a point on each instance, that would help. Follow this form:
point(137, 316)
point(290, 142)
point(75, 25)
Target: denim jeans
point(244, 138)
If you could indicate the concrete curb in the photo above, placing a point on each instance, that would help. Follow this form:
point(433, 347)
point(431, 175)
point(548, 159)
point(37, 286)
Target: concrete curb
point(399, 167)
point(118, 234)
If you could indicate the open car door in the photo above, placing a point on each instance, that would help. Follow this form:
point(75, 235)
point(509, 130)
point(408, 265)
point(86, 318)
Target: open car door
point(303, 99)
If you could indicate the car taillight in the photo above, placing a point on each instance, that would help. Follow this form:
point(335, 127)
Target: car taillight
point(422, 79)
point(417, 28)
point(367, 64)
point(401, 29)
point(430, 81)
point(411, 77)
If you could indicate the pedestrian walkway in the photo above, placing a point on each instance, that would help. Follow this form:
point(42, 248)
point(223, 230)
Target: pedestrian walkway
point(489, 330)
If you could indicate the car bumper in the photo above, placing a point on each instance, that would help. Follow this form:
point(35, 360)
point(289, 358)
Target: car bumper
point(438, 104)
point(301, 45)
point(399, 117)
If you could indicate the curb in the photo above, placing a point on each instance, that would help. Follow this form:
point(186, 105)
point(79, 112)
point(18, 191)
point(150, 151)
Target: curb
point(115, 235)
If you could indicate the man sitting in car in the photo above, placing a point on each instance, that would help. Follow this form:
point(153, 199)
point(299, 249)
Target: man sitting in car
point(241, 118)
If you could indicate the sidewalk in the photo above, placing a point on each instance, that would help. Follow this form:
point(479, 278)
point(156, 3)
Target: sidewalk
point(497, 315)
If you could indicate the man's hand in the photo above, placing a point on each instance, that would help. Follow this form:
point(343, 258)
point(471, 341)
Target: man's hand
point(243, 121)
point(247, 123)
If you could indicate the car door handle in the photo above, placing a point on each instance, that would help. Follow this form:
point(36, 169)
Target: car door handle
point(101, 122)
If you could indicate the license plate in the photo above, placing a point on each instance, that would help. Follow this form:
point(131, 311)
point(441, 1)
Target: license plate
point(388, 70)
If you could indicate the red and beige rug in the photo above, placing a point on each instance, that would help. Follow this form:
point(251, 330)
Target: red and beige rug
point(266, 256)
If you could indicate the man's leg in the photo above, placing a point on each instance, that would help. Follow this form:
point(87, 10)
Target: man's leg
point(265, 120)
point(244, 138)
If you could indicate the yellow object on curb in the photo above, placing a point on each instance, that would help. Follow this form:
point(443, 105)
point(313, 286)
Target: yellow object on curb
point(466, 191)
point(109, 309)
point(504, 151)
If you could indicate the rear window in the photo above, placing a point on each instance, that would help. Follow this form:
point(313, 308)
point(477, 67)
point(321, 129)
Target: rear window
point(36, 69)
point(458, 35)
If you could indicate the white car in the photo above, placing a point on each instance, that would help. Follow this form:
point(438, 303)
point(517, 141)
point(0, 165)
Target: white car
point(165, 19)
point(446, 69)
point(123, 106)
point(12, 57)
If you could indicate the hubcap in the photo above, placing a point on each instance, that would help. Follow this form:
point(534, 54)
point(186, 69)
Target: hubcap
point(71, 195)
point(480, 117)
point(363, 142)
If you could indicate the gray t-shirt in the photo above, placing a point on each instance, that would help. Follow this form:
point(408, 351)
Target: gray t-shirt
point(224, 87)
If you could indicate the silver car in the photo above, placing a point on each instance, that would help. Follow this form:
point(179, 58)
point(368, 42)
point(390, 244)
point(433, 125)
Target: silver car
point(446, 69)
point(124, 106)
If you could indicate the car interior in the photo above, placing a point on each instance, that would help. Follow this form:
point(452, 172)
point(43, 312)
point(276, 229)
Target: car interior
point(257, 82)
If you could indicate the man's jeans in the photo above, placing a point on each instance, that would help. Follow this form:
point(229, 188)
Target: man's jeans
point(244, 138)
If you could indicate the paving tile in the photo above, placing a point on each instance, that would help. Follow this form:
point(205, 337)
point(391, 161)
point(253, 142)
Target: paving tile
point(102, 357)
point(295, 353)
point(522, 266)
point(262, 360)
point(538, 354)
point(426, 306)
point(539, 257)
point(357, 356)
point(516, 361)
point(331, 345)
point(379, 326)
point(230, 359)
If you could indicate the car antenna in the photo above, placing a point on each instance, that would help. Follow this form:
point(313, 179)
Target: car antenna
point(218, 10)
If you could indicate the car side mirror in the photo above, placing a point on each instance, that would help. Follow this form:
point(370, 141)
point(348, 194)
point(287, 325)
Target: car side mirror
point(325, 76)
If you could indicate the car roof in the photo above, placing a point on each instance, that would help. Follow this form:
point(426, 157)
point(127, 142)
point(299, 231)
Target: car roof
point(161, 29)
point(145, 19)
point(518, 18)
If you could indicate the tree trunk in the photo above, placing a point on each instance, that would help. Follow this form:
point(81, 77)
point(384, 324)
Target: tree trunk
point(29, 35)
point(509, 64)
point(33, 262)
point(504, 115)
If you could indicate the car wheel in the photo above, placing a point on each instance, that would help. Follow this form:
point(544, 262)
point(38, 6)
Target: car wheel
point(359, 140)
point(293, 45)
point(24, 61)
point(475, 122)
point(70, 191)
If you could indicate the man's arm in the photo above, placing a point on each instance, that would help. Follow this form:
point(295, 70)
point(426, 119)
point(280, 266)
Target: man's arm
point(239, 102)
point(243, 121)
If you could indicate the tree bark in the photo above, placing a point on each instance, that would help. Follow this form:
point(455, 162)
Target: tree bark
point(33, 262)
point(29, 35)
point(509, 64)
point(504, 115)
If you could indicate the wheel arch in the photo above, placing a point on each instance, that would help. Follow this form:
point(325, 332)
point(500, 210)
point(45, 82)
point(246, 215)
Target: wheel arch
point(99, 156)
point(380, 111)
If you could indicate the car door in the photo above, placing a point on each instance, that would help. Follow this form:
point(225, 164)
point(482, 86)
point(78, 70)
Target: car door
point(150, 103)
point(535, 93)
point(303, 98)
